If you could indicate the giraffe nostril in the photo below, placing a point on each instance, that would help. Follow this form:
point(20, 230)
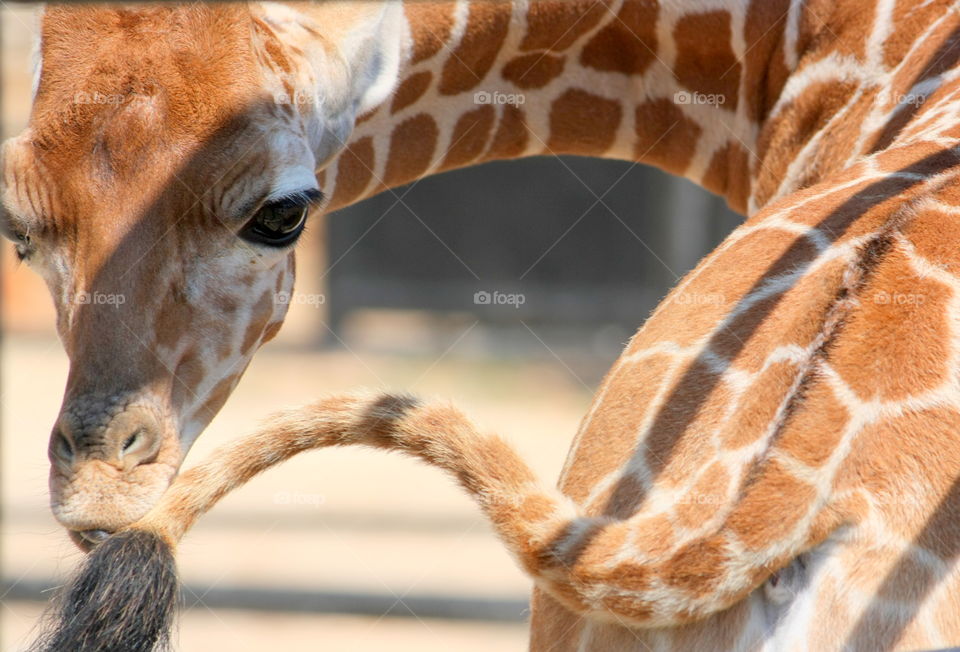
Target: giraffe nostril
point(132, 440)
point(140, 447)
point(62, 447)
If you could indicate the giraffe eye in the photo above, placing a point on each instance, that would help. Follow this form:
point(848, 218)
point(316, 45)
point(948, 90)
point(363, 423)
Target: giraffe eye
point(278, 223)
point(23, 246)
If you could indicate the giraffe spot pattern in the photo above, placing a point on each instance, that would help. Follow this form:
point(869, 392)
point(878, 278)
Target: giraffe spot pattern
point(851, 24)
point(512, 134)
point(616, 427)
point(666, 136)
point(796, 123)
point(412, 145)
point(764, 67)
point(759, 406)
point(904, 315)
point(583, 123)
point(669, 454)
point(935, 236)
point(555, 25)
point(716, 75)
point(369, 115)
point(904, 462)
point(811, 434)
point(627, 44)
point(909, 18)
point(728, 174)
point(699, 505)
point(431, 24)
point(410, 90)
point(474, 56)
point(694, 568)
point(354, 171)
point(536, 70)
point(757, 519)
point(470, 136)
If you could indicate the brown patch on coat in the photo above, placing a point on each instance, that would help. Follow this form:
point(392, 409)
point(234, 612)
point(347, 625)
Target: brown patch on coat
point(470, 136)
point(363, 117)
point(908, 465)
point(672, 451)
point(935, 233)
point(627, 44)
point(781, 139)
point(908, 21)
point(534, 70)
point(813, 430)
point(468, 65)
point(354, 172)
point(759, 404)
point(410, 90)
point(904, 315)
point(728, 175)
point(764, 66)
point(715, 73)
point(699, 505)
point(701, 306)
point(431, 24)
point(666, 137)
point(583, 123)
point(850, 27)
point(412, 146)
point(772, 505)
point(611, 434)
point(654, 534)
point(698, 567)
point(512, 135)
point(555, 25)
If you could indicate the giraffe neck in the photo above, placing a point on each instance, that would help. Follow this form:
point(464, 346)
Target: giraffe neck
point(633, 79)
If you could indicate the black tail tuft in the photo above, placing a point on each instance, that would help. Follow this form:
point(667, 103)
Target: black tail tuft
point(123, 600)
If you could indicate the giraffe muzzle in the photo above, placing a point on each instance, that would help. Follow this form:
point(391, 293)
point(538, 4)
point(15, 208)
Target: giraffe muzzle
point(126, 438)
point(111, 460)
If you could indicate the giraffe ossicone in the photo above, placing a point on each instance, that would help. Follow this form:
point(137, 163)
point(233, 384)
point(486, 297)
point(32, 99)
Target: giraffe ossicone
point(776, 464)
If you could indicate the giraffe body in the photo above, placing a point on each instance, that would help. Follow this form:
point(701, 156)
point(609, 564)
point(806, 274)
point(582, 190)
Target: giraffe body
point(773, 461)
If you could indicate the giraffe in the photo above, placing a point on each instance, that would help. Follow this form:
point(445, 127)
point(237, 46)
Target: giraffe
point(232, 121)
point(771, 463)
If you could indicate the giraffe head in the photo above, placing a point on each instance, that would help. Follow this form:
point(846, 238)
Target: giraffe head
point(159, 188)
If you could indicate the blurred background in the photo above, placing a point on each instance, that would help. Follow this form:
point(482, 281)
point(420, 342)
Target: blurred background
point(355, 549)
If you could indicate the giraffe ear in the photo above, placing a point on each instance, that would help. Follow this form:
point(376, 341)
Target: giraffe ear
point(367, 38)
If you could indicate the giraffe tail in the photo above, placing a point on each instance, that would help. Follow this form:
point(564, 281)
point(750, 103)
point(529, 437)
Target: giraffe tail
point(124, 596)
point(525, 515)
point(569, 555)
